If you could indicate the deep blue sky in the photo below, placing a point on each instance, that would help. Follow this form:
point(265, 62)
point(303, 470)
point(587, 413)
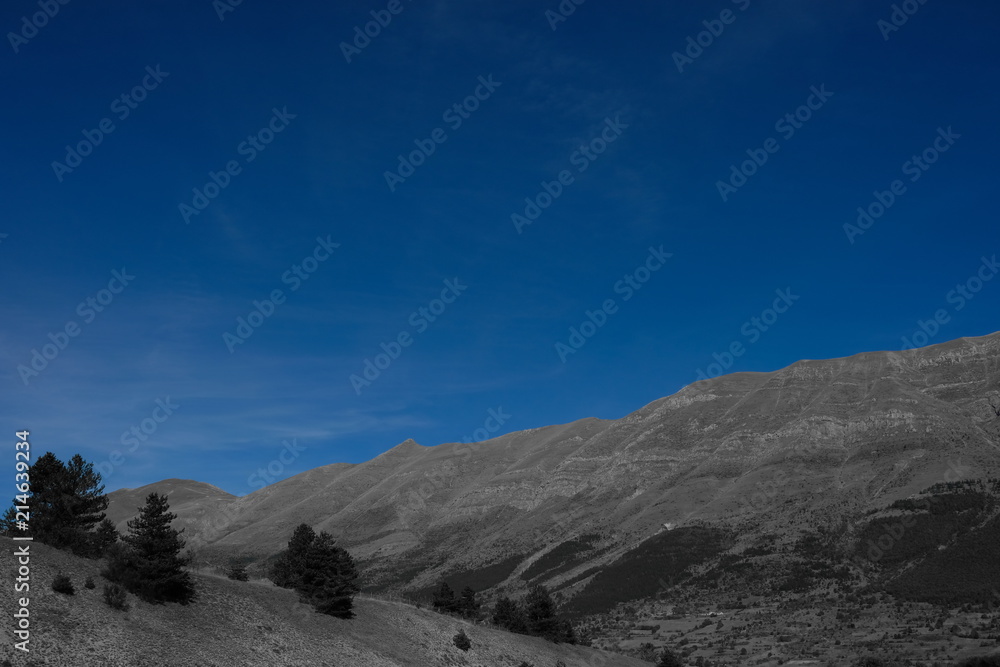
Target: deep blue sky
point(606, 67)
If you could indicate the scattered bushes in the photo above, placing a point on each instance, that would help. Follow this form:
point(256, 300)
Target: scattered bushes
point(62, 584)
point(115, 597)
point(462, 640)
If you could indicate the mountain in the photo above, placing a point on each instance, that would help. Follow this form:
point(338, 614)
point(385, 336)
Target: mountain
point(193, 502)
point(715, 469)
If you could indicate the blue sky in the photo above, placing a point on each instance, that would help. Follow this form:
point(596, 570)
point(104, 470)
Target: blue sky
point(615, 125)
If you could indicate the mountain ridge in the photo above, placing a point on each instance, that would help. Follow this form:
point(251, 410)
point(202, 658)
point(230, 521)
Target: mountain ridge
point(808, 444)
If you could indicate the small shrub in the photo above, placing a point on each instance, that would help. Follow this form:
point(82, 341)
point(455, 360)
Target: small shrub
point(89, 583)
point(62, 584)
point(115, 596)
point(525, 663)
point(462, 640)
point(238, 573)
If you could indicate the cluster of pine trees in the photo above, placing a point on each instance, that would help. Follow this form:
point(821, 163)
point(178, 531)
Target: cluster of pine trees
point(323, 573)
point(464, 605)
point(534, 614)
point(66, 504)
point(65, 507)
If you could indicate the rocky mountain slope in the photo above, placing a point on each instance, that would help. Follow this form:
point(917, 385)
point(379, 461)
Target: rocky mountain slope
point(735, 457)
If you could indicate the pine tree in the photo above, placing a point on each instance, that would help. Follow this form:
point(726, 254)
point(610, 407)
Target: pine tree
point(329, 578)
point(148, 563)
point(105, 536)
point(86, 494)
point(444, 598)
point(65, 504)
point(509, 615)
point(467, 605)
point(50, 515)
point(669, 659)
point(287, 568)
point(540, 614)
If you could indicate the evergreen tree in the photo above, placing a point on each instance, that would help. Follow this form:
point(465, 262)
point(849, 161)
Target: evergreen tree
point(467, 605)
point(105, 536)
point(86, 494)
point(566, 633)
point(444, 599)
point(322, 572)
point(329, 578)
point(50, 516)
point(540, 614)
point(287, 568)
point(65, 504)
point(8, 524)
point(669, 659)
point(508, 615)
point(148, 563)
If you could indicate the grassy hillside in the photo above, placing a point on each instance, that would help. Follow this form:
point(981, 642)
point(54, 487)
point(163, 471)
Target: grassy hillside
point(249, 624)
